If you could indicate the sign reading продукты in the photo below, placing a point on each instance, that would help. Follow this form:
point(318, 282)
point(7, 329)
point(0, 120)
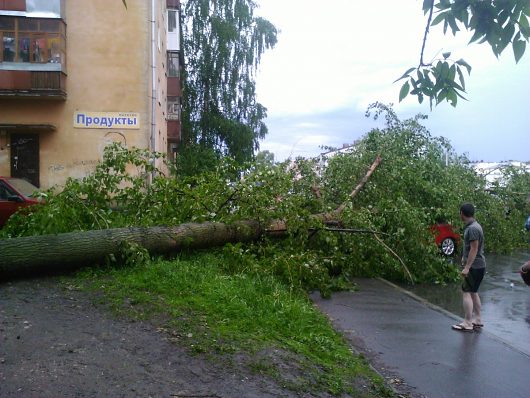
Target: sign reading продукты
point(106, 120)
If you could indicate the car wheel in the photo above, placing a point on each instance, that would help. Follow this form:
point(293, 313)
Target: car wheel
point(448, 247)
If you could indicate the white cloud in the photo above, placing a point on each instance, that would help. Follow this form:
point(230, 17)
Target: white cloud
point(335, 58)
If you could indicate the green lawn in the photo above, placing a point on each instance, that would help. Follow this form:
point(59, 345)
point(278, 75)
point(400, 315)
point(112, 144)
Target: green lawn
point(219, 313)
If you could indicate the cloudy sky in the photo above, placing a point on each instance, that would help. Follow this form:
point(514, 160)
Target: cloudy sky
point(334, 58)
point(51, 8)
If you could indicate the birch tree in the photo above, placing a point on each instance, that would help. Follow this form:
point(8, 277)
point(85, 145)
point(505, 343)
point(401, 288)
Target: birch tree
point(223, 44)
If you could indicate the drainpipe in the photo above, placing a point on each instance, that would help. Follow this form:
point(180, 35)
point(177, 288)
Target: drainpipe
point(152, 143)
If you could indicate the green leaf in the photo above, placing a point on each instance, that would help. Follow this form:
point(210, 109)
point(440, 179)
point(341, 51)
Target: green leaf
point(445, 71)
point(446, 55)
point(442, 95)
point(464, 64)
point(406, 74)
point(519, 48)
point(404, 91)
point(427, 4)
point(477, 35)
point(452, 73)
point(464, 17)
point(452, 23)
point(461, 78)
point(439, 18)
point(451, 97)
point(461, 96)
point(523, 21)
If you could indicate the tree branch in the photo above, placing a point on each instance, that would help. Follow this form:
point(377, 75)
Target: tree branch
point(363, 182)
point(426, 34)
point(395, 255)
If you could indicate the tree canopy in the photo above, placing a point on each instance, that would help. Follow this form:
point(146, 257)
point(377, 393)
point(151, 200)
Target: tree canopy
point(223, 45)
point(498, 23)
point(420, 181)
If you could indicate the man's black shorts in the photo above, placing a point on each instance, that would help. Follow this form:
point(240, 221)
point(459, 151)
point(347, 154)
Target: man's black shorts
point(472, 280)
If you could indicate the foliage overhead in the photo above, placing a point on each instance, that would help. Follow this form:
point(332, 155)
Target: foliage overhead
point(421, 181)
point(223, 44)
point(498, 23)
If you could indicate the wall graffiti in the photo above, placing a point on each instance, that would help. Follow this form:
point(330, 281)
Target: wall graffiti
point(87, 164)
point(54, 168)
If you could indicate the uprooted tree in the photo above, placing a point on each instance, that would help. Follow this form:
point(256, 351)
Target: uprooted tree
point(89, 247)
point(420, 181)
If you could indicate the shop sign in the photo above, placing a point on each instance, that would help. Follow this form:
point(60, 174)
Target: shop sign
point(107, 120)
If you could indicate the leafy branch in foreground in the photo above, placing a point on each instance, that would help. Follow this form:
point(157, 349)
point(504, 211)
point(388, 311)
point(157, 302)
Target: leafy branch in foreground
point(498, 23)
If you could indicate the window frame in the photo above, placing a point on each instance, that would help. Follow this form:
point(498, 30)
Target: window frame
point(39, 32)
point(173, 55)
point(174, 108)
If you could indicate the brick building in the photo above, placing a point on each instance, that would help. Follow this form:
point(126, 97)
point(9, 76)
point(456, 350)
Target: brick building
point(77, 75)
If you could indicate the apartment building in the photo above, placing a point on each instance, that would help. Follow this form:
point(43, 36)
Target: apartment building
point(77, 75)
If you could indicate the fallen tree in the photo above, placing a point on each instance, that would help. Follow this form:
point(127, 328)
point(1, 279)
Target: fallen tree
point(421, 181)
point(75, 249)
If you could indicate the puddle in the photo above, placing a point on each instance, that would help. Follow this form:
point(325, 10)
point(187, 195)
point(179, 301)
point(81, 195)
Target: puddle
point(505, 299)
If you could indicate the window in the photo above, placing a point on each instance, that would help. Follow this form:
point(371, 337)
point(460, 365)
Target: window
point(8, 47)
point(32, 40)
point(172, 21)
point(5, 191)
point(173, 30)
point(173, 108)
point(23, 48)
point(7, 23)
point(173, 64)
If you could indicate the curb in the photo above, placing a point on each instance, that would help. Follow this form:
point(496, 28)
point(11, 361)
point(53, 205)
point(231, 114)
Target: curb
point(450, 315)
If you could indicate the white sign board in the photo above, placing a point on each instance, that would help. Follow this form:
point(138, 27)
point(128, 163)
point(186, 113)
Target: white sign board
point(107, 120)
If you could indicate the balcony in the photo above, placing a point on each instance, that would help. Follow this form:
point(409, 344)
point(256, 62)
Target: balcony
point(32, 57)
point(32, 84)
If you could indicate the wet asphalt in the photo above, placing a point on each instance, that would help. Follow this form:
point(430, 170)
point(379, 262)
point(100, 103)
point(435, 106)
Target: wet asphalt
point(505, 299)
point(410, 341)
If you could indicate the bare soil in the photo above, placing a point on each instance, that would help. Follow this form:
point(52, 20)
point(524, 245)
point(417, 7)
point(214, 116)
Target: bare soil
point(56, 343)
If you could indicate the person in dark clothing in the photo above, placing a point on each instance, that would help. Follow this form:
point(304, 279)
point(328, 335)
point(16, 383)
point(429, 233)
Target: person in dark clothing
point(474, 268)
point(525, 272)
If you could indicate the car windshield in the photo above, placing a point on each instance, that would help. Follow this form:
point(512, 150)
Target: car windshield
point(25, 188)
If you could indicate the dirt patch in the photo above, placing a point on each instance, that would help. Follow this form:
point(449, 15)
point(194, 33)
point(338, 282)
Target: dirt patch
point(57, 343)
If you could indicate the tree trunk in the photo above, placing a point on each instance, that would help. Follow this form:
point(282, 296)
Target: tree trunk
point(75, 249)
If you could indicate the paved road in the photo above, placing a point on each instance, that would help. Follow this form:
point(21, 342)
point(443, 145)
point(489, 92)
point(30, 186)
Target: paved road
point(414, 341)
point(505, 298)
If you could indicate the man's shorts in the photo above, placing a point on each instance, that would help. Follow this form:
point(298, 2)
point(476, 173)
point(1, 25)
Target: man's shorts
point(472, 280)
point(526, 277)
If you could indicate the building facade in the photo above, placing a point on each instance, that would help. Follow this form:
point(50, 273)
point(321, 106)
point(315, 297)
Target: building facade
point(78, 75)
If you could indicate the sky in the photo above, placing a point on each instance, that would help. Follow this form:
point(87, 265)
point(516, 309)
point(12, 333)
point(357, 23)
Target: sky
point(51, 7)
point(334, 58)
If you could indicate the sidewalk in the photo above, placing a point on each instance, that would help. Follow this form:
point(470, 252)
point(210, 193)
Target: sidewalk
point(414, 341)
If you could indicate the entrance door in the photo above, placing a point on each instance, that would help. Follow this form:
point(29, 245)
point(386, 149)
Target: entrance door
point(25, 157)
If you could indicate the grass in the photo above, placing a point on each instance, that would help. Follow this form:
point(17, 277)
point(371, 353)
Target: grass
point(215, 312)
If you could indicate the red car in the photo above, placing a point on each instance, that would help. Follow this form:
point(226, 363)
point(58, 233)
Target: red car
point(14, 194)
point(446, 238)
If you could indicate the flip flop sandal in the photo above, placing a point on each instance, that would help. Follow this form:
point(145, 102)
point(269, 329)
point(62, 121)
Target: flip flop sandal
point(462, 328)
point(478, 325)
